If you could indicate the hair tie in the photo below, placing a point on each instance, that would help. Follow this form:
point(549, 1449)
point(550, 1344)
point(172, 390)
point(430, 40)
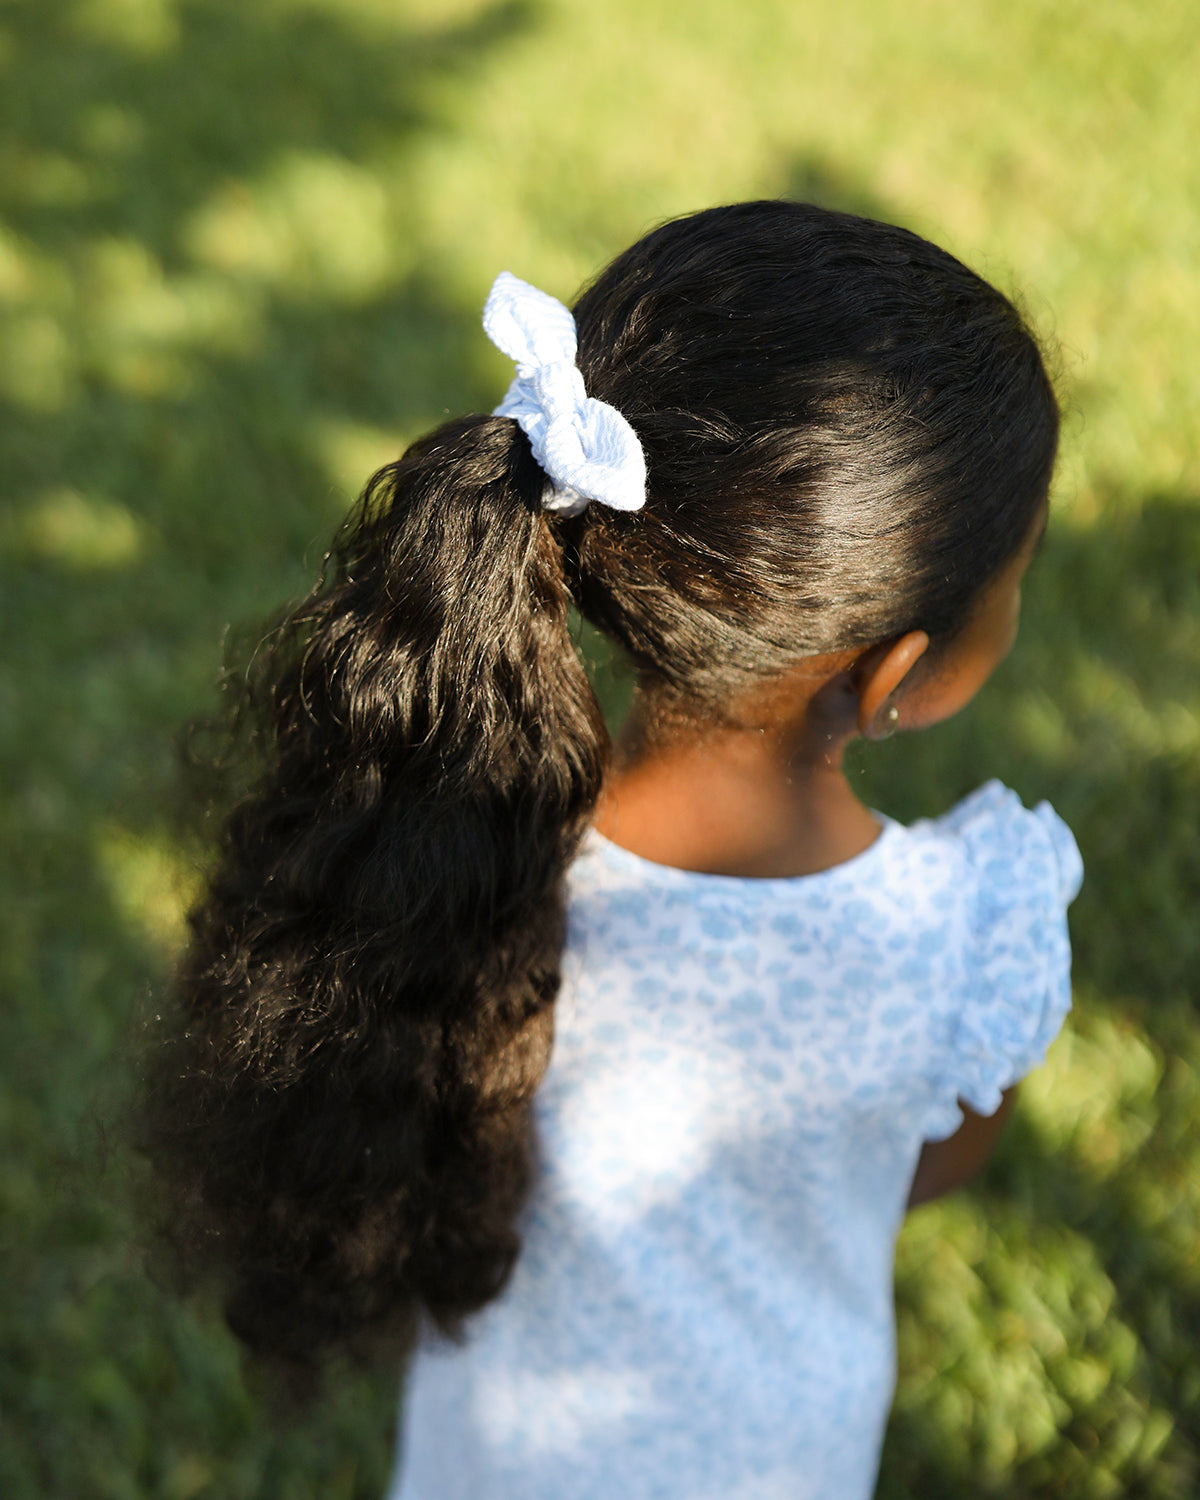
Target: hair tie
point(586, 448)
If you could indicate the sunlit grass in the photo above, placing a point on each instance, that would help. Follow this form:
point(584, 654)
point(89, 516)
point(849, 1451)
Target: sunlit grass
point(349, 451)
point(1096, 1095)
point(243, 250)
point(151, 886)
point(317, 226)
point(67, 529)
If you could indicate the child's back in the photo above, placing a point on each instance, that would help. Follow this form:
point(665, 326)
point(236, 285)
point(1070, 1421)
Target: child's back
point(743, 1076)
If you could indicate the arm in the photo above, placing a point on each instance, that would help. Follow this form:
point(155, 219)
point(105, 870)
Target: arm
point(944, 1165)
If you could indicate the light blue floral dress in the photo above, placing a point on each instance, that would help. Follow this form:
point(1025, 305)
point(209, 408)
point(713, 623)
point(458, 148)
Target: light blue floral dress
point(743, 1074)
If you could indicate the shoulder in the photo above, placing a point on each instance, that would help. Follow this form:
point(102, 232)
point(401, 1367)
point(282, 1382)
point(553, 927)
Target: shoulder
point(1001, 839)
point(1017, 854)
point(1020, 870)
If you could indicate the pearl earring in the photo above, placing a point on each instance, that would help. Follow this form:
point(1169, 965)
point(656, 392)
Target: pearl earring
point(891, 722)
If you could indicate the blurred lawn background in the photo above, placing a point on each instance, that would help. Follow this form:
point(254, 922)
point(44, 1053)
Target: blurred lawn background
point(243, 249)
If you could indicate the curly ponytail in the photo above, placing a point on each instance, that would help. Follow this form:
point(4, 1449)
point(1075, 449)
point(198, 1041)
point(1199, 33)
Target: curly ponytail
point(368, 993)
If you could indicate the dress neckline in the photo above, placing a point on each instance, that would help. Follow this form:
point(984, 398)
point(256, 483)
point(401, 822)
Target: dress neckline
point(618, 854)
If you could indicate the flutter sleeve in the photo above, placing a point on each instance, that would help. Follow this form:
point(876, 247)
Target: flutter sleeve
point(1025, 870)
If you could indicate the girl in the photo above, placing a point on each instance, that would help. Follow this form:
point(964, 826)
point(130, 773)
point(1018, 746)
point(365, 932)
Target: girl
point(817, 452)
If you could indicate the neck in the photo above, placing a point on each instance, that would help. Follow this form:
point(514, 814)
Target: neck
point(747, 802)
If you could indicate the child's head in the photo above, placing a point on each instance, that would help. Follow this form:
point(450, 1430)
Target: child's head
point(847, 435)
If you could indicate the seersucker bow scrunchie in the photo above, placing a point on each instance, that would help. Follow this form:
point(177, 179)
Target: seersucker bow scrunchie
point(586, 448)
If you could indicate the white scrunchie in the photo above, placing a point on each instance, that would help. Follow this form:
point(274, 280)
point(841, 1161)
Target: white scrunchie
point(586, 448)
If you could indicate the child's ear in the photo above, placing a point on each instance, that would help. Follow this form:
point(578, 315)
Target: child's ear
point(878, 673)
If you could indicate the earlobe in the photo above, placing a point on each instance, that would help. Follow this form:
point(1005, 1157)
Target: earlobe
point(879, 673)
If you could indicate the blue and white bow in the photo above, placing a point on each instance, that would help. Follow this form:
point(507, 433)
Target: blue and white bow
point(586, 448)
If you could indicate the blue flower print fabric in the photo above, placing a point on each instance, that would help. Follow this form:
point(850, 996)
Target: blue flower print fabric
point(743, 1074)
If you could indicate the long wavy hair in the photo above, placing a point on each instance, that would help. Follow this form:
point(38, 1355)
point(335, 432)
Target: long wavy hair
point(847, 435)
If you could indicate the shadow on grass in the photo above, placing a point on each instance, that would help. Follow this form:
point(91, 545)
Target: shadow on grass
point(147, 501)
point(807, 179)
point(120, 125)
point(112, 145)
point(206, 469)
point(1096, 710)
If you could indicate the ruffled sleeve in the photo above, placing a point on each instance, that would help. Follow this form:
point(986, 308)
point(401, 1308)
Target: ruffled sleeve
point(1026, 870)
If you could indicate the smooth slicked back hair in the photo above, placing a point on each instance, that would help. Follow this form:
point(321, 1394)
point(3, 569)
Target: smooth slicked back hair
point(847, 435)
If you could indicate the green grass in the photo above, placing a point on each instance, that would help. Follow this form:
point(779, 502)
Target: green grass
point(243, 249)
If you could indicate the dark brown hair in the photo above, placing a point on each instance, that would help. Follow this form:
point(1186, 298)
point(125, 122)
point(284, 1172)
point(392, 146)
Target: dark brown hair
point(847, 434)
